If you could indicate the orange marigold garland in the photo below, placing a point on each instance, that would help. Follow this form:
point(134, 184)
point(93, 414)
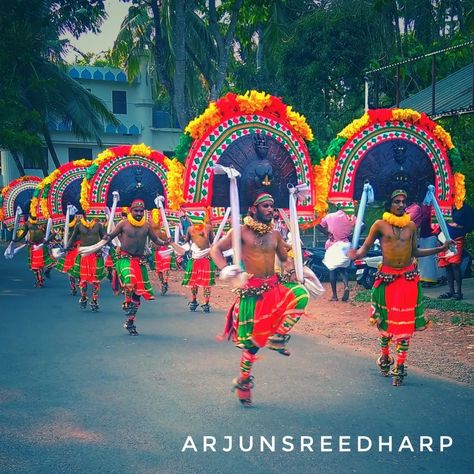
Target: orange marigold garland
point(459, 190)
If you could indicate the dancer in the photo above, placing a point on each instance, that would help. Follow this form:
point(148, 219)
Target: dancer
point(88, 269)
point(130, 260)
point(200, 269)
point(462, 224)
point(397, 306)
point(65, 263)
point(268, 304)
point(161, 255)
point(38, 251)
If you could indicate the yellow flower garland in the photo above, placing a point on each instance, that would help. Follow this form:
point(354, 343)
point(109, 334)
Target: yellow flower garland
point(258, 227)
point(134, 222)
point(459, 190)
point(73, 222)
point(155, 216)
point(44, 207)
point(84, 198)
point(140, 150)
point(322, 175)
point(82, 162)
point(106, 155)
point(209, 118)
point(354, 127)
point(88, 224)
point(33, 206)
point(409, 115)
point(175, 182)
point(397, 221)
point(443, 136)
point(50, 178)
point(253, 101)
point(298, 122)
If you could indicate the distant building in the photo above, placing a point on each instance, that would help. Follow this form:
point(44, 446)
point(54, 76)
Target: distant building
point(132, 104)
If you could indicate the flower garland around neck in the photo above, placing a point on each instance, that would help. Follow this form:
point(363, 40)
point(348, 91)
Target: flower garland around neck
point(134, 222)
point(397, 221)
point(73, 222)
point(258, 227)
point(88, 224)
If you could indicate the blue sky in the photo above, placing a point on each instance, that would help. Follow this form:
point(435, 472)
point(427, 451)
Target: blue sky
point(116, 11)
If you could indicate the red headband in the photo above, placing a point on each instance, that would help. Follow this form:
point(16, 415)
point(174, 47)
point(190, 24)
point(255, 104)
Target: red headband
point(137, 203)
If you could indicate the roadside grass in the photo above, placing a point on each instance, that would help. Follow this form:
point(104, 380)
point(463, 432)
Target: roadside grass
point(466, 318)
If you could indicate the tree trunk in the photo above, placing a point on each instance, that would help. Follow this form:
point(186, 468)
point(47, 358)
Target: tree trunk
point(159, 48)
point(52, 150)
point(224, 44)
point(44, 165)
point(259, 49)
point(179, 39)
point(17, 161)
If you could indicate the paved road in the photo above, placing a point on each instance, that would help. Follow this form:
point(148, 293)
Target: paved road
point(78, 395)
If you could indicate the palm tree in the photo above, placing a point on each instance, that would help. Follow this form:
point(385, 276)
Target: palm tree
point(171, 37)
point(35, 78)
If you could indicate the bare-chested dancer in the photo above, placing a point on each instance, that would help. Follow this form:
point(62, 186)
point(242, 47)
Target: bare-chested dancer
point(269, 305)
point(130, 260)
point(38, 252)
point(88, 268)
point(200, 269)
point(397, 306)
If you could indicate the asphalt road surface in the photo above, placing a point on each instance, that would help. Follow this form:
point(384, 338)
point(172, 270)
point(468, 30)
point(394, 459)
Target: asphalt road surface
point(79, 395)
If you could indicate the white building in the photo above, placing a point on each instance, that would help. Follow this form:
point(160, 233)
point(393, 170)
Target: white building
point(132, 104)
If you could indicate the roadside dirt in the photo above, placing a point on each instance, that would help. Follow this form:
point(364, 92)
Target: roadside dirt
point(444, 349)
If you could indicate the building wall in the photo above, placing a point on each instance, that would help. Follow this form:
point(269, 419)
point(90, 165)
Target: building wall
point(136, 125)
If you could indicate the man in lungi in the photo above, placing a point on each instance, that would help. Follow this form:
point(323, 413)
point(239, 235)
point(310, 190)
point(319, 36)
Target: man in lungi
point(39, 257)
point(397, 307)
point(88, 269)
point(200, 269)
point(130, 260)
point(268, 304)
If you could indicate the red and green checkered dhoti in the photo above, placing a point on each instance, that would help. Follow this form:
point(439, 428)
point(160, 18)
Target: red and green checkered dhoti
point(256, 317)
point(39, 257)
point(89, 268)
point(397, 302)
point(162, 264)
point(64, 264)
point(133, 274)
point(200, 272)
